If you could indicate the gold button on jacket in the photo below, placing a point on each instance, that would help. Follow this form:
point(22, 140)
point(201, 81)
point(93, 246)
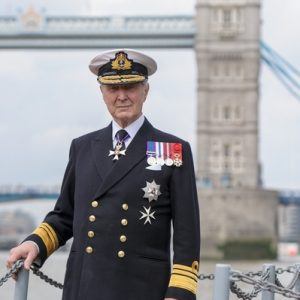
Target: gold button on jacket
point(125, 206)
point(121, 253)
point(91, 234)
point(124, 222)
point(89, 249)
point(123, 238)
point(95, 203)
point(92, 218)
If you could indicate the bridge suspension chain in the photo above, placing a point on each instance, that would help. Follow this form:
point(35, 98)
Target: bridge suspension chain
point(287, 74)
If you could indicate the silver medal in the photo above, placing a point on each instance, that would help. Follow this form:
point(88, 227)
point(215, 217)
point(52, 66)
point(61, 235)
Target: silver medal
point(151, 160)
point(152, 191)
point(169, 162)
point(177, 162)
point(160, 161)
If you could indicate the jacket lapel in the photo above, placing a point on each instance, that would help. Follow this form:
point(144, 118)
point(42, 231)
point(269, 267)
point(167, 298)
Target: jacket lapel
point(100, 149)
point(135, 152)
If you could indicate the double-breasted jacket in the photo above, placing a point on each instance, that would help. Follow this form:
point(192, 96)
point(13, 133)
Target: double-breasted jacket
point(121, 239)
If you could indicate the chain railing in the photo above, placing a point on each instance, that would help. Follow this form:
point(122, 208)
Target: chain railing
point(15, 268)
point(265, 282)
point(263, 285)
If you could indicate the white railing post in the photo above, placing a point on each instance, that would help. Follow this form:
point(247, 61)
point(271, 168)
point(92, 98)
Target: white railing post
point(266, 295)
point(21, 286)
point(222, 282)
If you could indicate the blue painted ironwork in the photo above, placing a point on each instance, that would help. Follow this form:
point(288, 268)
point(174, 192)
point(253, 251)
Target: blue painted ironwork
point(46, 32)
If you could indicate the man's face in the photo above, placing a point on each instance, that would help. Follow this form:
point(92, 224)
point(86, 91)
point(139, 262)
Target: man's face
point(125, 102)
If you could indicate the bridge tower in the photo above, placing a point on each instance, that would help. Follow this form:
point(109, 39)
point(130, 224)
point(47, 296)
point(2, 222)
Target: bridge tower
point(234, 206)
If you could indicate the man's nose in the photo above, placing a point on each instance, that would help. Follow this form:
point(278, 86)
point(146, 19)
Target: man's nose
point(122, 95)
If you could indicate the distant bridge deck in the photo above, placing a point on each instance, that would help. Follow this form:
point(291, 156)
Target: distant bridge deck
point(9, 197)
point(36, 31)
point(285, 197)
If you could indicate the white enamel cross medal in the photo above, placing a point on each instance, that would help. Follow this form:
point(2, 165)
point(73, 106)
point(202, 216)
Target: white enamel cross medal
point(117, 151)
point(147, 215)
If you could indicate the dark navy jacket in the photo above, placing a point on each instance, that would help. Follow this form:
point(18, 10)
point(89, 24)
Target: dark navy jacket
point(97, 194)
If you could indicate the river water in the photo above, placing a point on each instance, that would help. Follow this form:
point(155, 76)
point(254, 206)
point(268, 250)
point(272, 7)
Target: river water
point(55, 265)
point(55, 268)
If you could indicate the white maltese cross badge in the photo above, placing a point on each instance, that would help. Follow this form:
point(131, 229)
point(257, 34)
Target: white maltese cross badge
point(147, 215)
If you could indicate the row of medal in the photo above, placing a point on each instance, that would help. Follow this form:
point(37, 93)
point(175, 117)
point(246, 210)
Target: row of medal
point(160, 153)
point(151, 192)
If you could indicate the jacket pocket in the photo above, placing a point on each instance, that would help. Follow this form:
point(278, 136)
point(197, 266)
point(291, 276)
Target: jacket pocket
point(153, 258)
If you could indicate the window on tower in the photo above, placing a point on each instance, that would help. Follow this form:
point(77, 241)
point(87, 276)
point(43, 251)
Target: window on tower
point(237, 113)
point(227, 20)
point(226, 112)
point(227, 17)
point(226, 71)
point(226, 149)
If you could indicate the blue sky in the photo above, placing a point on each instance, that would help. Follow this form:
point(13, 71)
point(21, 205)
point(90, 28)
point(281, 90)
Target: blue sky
point(50, 97)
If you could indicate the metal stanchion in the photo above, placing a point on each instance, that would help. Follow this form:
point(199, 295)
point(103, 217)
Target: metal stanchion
point(21, 286)
point(297, 284)
point(266, 295)
point(222, 282)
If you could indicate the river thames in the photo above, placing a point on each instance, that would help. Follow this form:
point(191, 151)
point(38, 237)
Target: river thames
point(55, 268)
point(55, 265)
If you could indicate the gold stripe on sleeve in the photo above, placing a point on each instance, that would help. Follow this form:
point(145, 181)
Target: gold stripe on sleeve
point(52, 239)
point(53, 233)
point(185, 268)
point(48, 236)
point(185, 273)
point(185, 277)
point(183, 282)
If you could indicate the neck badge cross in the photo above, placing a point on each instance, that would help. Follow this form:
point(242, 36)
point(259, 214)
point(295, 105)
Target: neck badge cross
point(117, 151)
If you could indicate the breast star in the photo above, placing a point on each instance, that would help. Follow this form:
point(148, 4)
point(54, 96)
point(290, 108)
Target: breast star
point(152, 191)
point(147, 215)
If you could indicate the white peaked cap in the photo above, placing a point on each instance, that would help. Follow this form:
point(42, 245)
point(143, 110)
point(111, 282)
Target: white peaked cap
point(122, 65)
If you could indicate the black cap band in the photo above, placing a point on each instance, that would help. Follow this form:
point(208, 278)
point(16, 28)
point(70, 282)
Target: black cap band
point(136, 69)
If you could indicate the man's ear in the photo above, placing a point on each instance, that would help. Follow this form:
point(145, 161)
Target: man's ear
point(147, 87)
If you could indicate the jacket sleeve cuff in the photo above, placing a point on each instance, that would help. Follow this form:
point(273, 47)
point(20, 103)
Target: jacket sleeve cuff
point(183, 282)
point(42, 249)
point(179, 294)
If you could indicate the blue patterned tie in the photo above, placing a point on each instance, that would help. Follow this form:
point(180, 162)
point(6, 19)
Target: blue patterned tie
point(122, 135)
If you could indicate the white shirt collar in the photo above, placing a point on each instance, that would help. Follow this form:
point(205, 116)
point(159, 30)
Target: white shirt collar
point(131, 129)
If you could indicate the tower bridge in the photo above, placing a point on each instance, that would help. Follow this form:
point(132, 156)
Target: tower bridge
point(32, 30)
point(226, 38)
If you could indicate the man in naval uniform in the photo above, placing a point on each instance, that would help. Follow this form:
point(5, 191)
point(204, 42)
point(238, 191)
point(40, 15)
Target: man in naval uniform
point(122, 187)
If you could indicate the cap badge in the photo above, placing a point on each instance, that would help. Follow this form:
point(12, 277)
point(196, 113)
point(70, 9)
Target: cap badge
point(121, 62)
